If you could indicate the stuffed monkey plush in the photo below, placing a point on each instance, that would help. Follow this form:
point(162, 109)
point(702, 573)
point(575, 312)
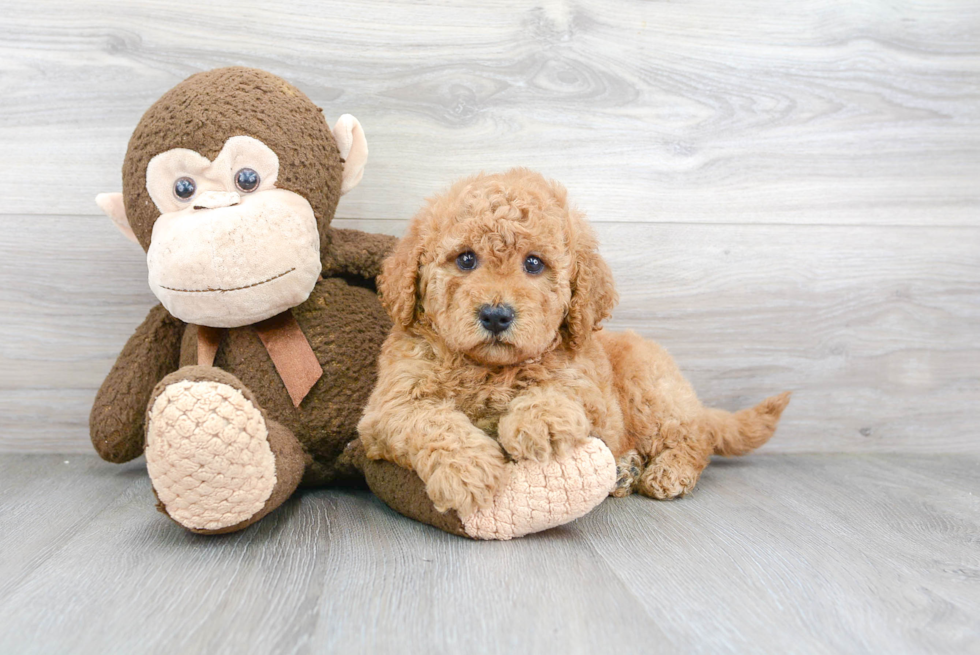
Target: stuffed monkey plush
point(249, 378)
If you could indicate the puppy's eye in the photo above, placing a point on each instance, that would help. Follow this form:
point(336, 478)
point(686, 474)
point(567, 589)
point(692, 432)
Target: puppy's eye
point(466, 261)
point(533, 264)
point(184, 188)
point(247, 180)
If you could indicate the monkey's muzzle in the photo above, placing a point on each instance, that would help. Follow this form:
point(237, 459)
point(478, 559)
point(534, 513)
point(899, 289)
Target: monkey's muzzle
point(235, 263)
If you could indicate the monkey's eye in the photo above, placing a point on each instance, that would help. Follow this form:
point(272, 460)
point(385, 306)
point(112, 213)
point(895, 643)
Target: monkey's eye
point(466, 261)
point(533, 264)
point(184, 188)
point(247, 180)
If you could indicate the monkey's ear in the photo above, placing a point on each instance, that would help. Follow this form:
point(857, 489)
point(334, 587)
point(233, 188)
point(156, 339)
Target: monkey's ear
point(353, 150)
point(114, 207)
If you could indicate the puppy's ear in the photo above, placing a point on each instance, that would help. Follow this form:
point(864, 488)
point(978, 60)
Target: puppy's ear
point(398, 282)
point(593, 292)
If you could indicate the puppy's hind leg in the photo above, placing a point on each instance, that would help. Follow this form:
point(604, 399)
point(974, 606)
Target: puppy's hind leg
point(673, 432)
point(660, 413)
point(687, 447)
point(677, 467)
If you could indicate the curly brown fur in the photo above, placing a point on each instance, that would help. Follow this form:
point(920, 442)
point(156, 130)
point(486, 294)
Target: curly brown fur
point(455, 401)
point(342, 319)
point(205, 110)
point(116, 419)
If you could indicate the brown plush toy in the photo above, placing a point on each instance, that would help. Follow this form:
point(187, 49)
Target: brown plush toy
point(251, 376)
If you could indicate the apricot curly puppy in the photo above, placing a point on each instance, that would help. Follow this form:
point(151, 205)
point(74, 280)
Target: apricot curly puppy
point(496, 293)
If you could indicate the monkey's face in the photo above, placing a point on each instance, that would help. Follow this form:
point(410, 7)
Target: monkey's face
point(229, 248)
point(233, 225)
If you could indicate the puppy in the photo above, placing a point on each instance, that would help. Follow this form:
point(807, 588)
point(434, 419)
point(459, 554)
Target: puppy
point(496, 354)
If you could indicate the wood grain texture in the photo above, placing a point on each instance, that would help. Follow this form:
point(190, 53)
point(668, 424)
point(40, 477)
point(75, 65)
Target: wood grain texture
point(803, 554)
point(788, 192)
point(820, 111)
point(874, 328)
point(828, 554)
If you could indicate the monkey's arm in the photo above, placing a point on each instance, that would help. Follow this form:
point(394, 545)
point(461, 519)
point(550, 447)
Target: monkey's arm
point(352, 252)
point(116, 421)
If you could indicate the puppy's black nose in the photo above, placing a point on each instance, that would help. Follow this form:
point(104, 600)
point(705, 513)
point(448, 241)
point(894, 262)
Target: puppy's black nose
point(496, 318)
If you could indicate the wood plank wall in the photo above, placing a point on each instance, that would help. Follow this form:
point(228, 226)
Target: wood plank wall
point(788, 192)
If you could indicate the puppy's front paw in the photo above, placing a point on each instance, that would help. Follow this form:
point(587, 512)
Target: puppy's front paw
point(466, 478)
point(538, 426)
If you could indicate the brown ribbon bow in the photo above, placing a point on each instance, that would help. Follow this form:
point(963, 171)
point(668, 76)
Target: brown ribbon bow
point(288, 347)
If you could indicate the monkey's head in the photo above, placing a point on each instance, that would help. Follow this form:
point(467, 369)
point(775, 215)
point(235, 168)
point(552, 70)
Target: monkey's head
point(229, 185)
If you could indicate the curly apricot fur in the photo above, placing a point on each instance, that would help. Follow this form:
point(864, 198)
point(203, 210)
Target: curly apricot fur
point(454, 401)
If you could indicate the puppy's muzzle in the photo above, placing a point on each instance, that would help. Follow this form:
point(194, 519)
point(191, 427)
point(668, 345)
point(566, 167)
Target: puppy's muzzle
point(496, 318)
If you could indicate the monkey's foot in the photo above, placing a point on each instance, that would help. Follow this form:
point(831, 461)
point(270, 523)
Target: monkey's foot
point(535, 497)
point(216, 463)
point(540, 496)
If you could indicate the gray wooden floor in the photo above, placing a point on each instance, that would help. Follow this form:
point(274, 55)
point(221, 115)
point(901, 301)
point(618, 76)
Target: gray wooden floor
point(772, 553)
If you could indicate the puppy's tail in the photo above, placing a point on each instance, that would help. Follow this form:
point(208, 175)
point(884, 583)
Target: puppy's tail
point(746, 429)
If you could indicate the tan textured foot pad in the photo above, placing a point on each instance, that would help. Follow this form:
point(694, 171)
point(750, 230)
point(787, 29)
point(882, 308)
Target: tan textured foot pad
point(208, 455)
point(541, 496)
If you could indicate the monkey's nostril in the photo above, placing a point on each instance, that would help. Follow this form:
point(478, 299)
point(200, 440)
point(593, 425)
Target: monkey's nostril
point(496, 318)
point(216, 199)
